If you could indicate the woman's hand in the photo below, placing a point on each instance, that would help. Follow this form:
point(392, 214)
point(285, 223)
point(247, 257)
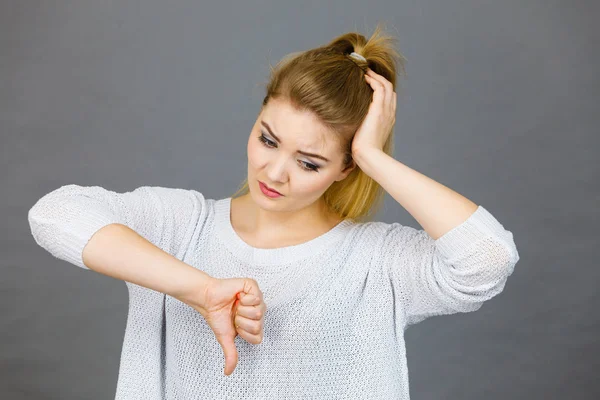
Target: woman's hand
point(231, 306)
point(379, 122)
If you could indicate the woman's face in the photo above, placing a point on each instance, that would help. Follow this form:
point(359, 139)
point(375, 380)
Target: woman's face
point(277, 157)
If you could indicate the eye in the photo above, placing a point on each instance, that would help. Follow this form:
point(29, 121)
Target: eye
point(304, 165)
point(309, 166)
point(266, 141)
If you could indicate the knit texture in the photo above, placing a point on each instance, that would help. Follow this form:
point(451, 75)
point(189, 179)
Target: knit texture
point(337, 305)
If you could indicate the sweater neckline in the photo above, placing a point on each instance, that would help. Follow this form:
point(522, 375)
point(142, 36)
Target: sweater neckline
point(277, 255)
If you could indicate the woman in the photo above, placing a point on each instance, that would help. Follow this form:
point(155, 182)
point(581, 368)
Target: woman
point(290, 281)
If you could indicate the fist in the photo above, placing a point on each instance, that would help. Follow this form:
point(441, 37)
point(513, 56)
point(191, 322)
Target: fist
point(233, 306)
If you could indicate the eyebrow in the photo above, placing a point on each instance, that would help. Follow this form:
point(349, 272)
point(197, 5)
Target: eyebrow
point(299, 151)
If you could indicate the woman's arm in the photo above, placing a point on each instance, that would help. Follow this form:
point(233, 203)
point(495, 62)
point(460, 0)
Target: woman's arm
point(119, 252)
point(138, 236)
point(436, 207)
point(463, 256)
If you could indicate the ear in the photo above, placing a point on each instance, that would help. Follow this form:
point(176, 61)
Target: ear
point(346, 171)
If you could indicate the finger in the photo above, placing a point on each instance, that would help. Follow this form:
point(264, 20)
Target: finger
point(253, 293)
point(375, 78)
point(378, 90)
point(375, 84)
point(251, 288)
point(249, 337)
point(249, 300)
point(388, 87)
point(230, 353)
point(386, 102)
point(250, 325)
point(380, 78)
point(250, 312)
point(249, 330)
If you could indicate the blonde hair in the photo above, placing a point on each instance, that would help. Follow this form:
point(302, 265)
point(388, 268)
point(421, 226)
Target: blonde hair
point(329, 83)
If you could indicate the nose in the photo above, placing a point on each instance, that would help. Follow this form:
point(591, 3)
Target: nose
point(276, 171)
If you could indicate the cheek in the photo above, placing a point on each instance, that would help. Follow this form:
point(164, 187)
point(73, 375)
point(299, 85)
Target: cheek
point(256, 155)
point(312, 182)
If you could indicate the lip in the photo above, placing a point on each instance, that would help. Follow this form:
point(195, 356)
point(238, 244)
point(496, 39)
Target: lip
point(268, 188)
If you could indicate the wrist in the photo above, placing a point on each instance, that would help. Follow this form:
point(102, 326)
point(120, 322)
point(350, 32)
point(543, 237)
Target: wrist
point(191, 286)
point(366, 157)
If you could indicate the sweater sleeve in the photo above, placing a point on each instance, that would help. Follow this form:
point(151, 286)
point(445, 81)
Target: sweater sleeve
point(455, 273)
point(64, 220)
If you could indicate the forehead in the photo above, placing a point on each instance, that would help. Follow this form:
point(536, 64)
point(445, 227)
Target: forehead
point(301, 127)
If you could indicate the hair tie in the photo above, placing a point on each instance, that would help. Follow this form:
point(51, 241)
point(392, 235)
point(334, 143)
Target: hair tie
point(357, 56)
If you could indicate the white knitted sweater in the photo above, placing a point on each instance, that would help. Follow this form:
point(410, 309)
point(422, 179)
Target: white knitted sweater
point(337, 305)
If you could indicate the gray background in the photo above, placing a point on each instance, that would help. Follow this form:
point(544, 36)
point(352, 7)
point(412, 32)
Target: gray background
point(500, 104)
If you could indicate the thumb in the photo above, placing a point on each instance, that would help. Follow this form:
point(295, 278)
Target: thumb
point(230, 352)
